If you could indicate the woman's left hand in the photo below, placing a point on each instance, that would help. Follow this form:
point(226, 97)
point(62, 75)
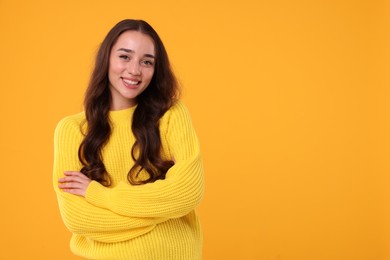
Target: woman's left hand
point(74, 182)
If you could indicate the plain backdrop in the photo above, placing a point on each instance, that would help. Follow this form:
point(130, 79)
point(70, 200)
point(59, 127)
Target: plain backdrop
point(290, 100)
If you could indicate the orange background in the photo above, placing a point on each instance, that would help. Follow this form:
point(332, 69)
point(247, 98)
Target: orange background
point(290, 100)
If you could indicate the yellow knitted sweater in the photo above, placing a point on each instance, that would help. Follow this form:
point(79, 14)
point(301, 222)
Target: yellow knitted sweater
point(154, 221)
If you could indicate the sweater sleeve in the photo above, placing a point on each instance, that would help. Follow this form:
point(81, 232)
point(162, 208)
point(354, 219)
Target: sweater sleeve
point(175, 196)
point(80, 216)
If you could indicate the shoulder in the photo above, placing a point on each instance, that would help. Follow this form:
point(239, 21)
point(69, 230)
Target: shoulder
point(176, 117)
point(178, 111)
point(70, 123)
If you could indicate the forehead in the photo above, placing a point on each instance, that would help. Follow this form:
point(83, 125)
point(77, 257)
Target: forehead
point(136, 41)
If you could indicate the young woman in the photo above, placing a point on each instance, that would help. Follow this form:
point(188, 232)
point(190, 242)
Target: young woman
point(128, 172)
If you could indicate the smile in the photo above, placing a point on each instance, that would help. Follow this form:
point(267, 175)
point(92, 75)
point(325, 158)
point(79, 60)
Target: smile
point(131, 82)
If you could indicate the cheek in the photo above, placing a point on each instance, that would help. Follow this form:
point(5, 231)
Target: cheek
point(150, 75)
point(114, 72)
point(115, 68)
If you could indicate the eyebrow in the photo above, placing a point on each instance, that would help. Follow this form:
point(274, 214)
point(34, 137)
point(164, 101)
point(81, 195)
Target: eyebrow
point(131, 51)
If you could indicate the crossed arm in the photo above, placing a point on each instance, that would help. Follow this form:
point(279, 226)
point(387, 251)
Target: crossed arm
point(111, 214)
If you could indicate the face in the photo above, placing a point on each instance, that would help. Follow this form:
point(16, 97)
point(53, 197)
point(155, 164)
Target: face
point(131, 68)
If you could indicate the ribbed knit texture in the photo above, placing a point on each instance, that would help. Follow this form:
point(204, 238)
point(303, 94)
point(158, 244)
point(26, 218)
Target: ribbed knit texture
point(155, 221)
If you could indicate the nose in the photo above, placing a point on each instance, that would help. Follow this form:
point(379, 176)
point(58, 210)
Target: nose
point(134, 67)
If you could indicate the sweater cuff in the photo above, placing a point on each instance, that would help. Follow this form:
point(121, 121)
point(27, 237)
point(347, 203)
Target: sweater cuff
point(98, 195)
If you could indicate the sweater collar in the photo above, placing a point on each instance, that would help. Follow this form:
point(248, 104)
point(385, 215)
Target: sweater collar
point(117, 116)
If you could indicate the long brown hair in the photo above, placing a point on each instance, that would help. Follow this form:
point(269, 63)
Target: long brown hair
point(152, 103)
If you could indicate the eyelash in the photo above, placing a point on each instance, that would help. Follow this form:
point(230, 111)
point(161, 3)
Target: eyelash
point(125, 57)
point(148, 62)
point(145, 62)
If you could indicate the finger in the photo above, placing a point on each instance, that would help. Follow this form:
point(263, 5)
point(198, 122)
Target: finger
point(70, 179)
point(77, 179)
point(74, 173)
point(74, 191)
point(71, 185)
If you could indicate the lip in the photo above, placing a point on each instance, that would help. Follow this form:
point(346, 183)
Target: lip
point(127, 84)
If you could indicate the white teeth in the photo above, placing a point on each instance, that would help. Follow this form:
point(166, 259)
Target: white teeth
point(130, 82)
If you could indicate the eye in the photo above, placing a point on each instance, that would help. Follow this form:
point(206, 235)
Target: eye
point(148, 63)
point(124, 57)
